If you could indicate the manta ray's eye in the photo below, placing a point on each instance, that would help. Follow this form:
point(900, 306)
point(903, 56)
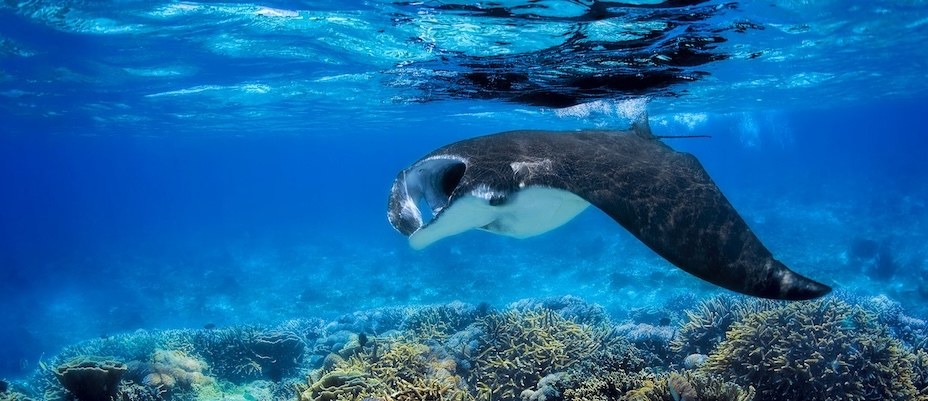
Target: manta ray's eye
point(452, 177)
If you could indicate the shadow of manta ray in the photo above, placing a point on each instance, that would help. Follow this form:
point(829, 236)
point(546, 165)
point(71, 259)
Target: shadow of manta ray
point(524, 183)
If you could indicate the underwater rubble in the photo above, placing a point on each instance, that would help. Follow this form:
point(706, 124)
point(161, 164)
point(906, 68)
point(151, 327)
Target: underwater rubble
point(725, 348)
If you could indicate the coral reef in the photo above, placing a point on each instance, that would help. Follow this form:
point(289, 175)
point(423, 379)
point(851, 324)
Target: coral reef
point(8, 392)
point(246, 353)
point(693, 361)
point(398, 369)
point(688, 386)
point(568, 306)
point(648, 386)
point(607, 386)
point(518, 349)
point(439, 322)
point(816, 350)
point(920, 370)
point(556, 349)
point(132, 391)
point(277, 353)
point(90, 378)
point(707, 324)
point(653, 340)
point(545, 389)
point(13, 396)
point(168, 370)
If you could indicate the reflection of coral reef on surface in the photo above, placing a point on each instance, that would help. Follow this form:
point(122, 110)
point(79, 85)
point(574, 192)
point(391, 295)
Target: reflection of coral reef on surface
point(559, 349)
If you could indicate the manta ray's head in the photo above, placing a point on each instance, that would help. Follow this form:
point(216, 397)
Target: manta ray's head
point(432, 180)
point(461, 194)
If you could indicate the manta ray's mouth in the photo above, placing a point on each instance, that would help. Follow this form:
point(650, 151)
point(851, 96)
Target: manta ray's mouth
point(432, 182)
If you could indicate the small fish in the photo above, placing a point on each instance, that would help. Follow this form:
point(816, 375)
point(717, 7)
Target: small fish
point(209, 326)
point(665, 321)
point(249, 397)
point(362, 339)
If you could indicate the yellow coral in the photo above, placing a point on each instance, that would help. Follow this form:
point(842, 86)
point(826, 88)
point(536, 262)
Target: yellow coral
point(398, 369)
point(519, 348)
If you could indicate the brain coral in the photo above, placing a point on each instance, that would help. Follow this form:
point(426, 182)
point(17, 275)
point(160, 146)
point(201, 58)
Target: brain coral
point(815, 350)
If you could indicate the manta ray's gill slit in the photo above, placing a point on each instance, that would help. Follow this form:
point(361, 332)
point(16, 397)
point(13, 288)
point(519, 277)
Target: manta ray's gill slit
point(452, 177)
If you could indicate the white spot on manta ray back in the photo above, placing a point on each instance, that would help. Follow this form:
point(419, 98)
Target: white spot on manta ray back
point(523, 170)
point(530, 168)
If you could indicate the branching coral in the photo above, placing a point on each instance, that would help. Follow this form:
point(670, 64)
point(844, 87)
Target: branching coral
point(136, 392)
point(607, 386)
point(13, 396)
point(688, 386)
point(569, 307)
point(396, 369)
point(920, 368)
point(138, 345)
point(519, 348)
point(277, 353)
point(245, 353)
point(707, 324)
point(439, 322)
point(613, 353)
point(647, 386)
point(816, 350)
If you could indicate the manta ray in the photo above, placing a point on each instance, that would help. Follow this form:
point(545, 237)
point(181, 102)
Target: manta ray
point(524, 183)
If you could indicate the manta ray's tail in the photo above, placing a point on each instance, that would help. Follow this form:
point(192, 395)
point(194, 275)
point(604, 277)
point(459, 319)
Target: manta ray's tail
point(789, 285)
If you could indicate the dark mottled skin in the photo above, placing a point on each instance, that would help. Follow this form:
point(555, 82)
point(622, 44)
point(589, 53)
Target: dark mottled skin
point(663, 197)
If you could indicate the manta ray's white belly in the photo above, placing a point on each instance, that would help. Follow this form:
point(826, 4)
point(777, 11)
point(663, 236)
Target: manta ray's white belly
point(526, 213)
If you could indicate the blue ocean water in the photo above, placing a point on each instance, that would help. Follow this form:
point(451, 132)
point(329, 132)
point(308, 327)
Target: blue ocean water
point(170, 165)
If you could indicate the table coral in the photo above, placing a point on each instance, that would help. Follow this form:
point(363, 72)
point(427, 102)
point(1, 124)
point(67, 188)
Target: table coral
point(91, 378)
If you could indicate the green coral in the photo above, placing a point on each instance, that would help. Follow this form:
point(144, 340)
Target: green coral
point(815, 350)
